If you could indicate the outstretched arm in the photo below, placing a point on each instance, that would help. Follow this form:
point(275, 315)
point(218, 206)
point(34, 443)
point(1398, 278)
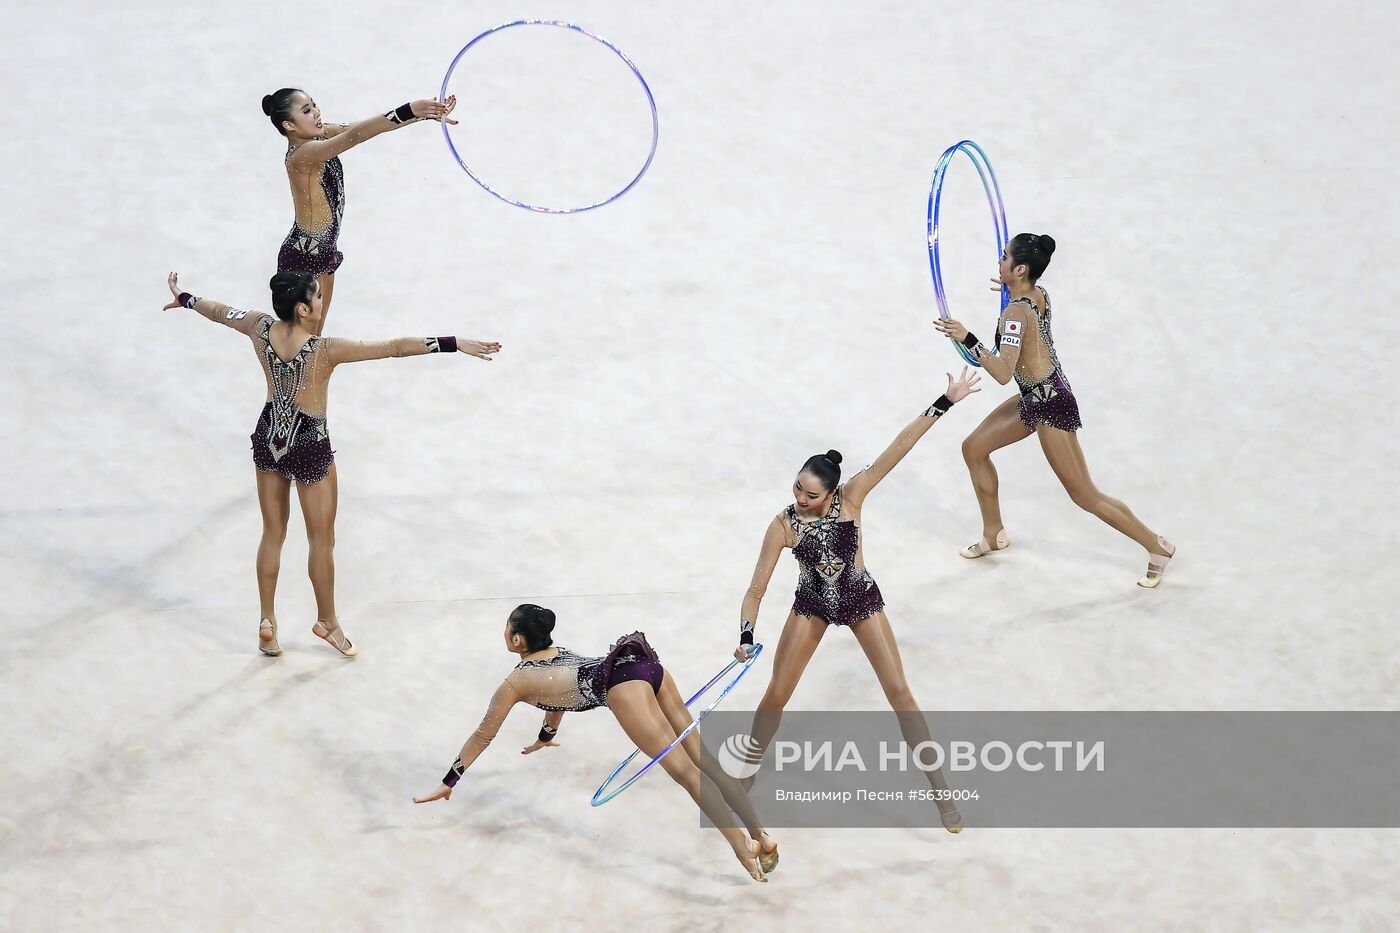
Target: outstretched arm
point(241, 321)
point(774, 540)
point(858, 486)
point(505, 697)
point(341, 350)
point(348, 137)
point(999, 364)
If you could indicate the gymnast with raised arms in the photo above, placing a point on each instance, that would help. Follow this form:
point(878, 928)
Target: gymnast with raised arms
point(290, 441)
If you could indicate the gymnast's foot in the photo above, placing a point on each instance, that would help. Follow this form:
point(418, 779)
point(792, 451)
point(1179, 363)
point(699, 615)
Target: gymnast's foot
point(267, 638)
point(334, 635)
point(952, 819)
point(1157, 561)
point(767, 853)
point(982, 548)
point(749, 858)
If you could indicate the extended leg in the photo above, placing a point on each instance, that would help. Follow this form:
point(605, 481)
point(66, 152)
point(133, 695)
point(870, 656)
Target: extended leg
point(1067, 460)
point(999, 429)
point(318, 505)
point(275, 503)
point(876, 639)
point(641, 718)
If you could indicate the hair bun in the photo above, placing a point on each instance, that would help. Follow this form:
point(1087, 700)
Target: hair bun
point(267, 105)
point(1047, 243)
point(834, 456)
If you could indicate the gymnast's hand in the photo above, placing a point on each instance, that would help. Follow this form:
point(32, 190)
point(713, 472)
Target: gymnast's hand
point(435, 109)
point(442, 793)
point(744, 652)
point(538, 745)
point(481, 349)
point(174, 284)
point(963, 387)
point(950, 328)
point(997, 284)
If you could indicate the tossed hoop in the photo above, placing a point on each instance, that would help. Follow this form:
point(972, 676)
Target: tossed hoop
point(757, 650)
point(935, 195)
point(655, 124)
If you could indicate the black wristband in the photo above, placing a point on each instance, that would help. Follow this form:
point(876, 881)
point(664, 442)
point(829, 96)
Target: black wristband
point(546, 733)
point(187, 300)
point(401, 114)
point(441, 344)
point(939, 408)
point(746, 637)
point(454, 773)
point(970, 341)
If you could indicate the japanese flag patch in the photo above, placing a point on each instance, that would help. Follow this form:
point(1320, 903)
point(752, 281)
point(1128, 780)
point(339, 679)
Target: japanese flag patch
point(1012, 327)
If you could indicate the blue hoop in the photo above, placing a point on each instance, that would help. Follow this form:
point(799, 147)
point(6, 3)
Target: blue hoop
point(757, 650)
point(935, 195)
point(655, 125)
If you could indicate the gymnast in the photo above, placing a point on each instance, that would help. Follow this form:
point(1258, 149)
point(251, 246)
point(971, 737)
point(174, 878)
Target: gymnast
point(822, 527)
point(1045, 407)
point(290, 443)
point(631, 682)
point(318, 182)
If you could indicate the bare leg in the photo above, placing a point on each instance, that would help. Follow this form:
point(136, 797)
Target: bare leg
point(641, 718)
point(877, 641)
point(999, 429)
point(1067, 460)
point(801, 635)
point(673, 707)
point(327, 283)
point(275, 502)
point(318, 505)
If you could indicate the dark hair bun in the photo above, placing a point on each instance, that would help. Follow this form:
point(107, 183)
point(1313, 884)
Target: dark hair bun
point(267, 105)
point(834, 456)
point(1047, 243)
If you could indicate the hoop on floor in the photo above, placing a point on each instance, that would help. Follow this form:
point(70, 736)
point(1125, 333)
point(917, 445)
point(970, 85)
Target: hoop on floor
point(935, 196)
point(651, 101)
point(597, 802)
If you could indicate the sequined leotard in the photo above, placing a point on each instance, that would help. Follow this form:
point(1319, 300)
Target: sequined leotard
point(1048, 400)
point(313, 251)
point(286, 439)
point(833, 583)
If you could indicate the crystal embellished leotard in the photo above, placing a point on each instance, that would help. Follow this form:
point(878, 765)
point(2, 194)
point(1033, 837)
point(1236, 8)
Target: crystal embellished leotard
point(833, 583)
point(313, 251)
point(286, 439)
point(572, 682)
point(1048, 400)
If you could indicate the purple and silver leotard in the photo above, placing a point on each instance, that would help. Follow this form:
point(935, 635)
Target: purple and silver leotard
point(581, 683)
point(832, 585)
point(286, 439)
point(1050, 400)
point(311, 251)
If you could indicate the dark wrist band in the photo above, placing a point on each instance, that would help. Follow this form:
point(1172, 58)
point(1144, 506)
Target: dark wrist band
point(401, 114)
point(970, 341)
point(454, 773)
point(939, 408)
point(440, 344)
point(186, 300)
point(746, 637)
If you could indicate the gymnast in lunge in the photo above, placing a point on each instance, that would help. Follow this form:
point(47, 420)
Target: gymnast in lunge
point(822, 527)
point(1024, 350)
point(290, 442)
point(631, 682)
point(318, 181)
